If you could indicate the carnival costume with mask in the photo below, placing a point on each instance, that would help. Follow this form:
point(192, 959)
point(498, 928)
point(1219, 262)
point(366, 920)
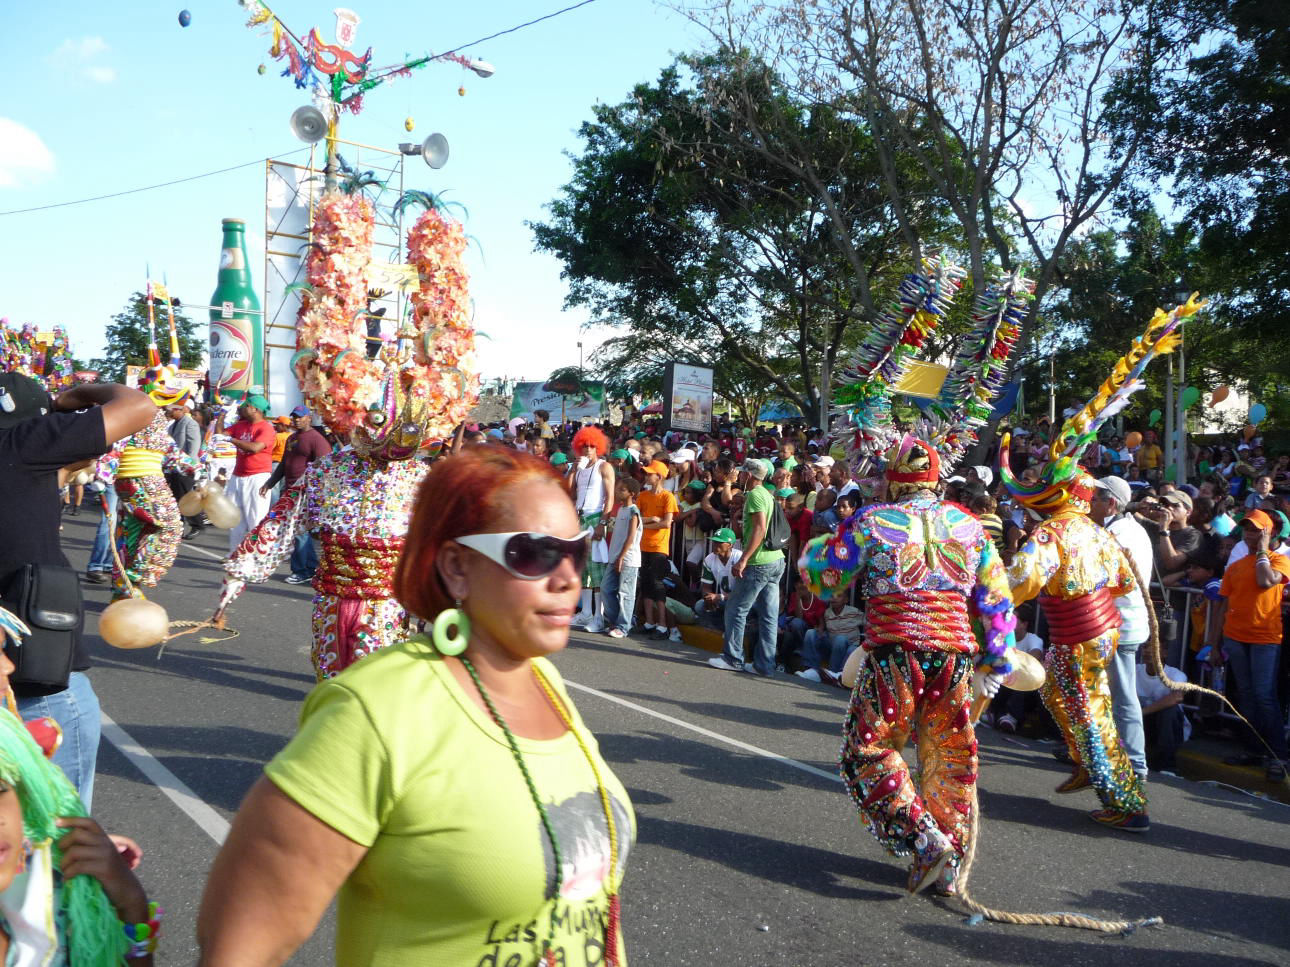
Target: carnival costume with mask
point(928, 573)
point(936, 596)
point(1076, 569)
point(148, 524)
point(396, 409)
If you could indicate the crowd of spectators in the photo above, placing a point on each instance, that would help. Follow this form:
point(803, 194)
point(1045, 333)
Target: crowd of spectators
point(703, 498)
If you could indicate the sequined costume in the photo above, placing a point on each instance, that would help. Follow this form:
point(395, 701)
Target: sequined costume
point(1076, 569)
point(359, 510)
point(395, 403)
point(928, 572)
point(148, 525)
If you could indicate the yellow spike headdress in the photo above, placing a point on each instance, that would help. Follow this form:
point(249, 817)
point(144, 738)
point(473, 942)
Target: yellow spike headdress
point(1063, 481)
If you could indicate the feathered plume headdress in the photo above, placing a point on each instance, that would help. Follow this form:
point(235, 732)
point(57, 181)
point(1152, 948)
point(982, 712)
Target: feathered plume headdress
point(979, 370)
point(1053, 489)
point(883, 359)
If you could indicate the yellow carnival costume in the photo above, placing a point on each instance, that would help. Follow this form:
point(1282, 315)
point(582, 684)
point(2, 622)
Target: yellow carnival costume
point(1076, 569)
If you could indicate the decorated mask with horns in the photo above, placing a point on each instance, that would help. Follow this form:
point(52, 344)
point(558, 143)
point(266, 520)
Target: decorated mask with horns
point(1063, 483)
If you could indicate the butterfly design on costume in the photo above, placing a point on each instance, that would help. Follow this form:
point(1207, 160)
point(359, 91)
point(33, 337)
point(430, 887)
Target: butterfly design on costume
point(928, 543)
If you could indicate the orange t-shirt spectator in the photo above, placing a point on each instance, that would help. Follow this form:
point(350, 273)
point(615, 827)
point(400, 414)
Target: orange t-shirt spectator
point(657, 503)
point(1253, 614)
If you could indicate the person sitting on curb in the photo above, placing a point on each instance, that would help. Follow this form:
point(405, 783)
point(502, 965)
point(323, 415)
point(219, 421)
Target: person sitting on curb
point(717, 581)
point(826, 647)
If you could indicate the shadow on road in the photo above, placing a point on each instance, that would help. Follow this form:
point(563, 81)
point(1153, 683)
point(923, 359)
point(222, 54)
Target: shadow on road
point(721, 765)
point(818, 871)
point(219, 763)
point(1052, 945)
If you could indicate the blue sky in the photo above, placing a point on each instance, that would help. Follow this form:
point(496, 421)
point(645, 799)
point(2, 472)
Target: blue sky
point(108, 97)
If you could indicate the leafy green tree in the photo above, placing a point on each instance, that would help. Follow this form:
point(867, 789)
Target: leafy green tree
point(127, 339)
point(677, 231)
point(1217, 122)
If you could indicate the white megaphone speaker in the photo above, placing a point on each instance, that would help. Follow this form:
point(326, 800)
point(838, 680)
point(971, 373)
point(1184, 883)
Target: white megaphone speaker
point(308, 124)
point(434, 150)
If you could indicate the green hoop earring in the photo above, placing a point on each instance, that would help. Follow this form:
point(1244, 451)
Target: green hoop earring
point(452, 642)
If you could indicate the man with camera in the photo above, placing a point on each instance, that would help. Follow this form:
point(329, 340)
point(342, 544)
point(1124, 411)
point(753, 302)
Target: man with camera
point(39, 435)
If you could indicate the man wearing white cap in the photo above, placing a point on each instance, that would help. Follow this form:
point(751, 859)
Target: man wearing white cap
point(1108, 507)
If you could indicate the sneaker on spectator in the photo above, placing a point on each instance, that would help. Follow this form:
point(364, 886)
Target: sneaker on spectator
point(752, 669)
point(616, 633)
point(595, 627)
point(659, 633)
point(719, 661)
point(810, 674)
point(298, 578)
point(580, 620)
point(97, 577)
point(1006, 723)
point(833, 678)
point(674, 635)
point(986, 719)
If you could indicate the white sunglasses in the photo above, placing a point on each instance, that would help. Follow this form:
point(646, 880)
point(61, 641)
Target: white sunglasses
point(527, 555)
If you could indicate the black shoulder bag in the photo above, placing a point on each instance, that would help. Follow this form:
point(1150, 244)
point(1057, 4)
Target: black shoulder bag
point(47, 597)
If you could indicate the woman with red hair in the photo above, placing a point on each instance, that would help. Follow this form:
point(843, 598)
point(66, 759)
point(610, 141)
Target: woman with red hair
point(445, 786)
point(592, 487)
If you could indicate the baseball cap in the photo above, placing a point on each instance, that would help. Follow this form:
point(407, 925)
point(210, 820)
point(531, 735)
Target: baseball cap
point(680, 456)
point(1283, 521)
point(822, 461)
point(656, 467)
point(755, 468)
point(785, 492)
point(300, 410)
point(697, 485)
point(559, 460)
point(1182, 500)
point(259, 402)
point(620, 454)
point(22, 398)
point(1118, 488)
point(723, 536)
point(1259, 519)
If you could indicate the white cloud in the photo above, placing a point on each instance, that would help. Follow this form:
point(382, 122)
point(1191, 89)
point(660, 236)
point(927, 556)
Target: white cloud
point(75, 54)
point(24, 158)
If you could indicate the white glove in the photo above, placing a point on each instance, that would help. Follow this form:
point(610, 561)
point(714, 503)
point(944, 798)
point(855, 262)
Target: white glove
point(583, 463)
point(991, 684)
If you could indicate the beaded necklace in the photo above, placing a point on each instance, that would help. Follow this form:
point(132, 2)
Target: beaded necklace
point(611, 926)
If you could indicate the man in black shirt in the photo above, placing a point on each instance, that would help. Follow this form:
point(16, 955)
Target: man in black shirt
point(38, 436)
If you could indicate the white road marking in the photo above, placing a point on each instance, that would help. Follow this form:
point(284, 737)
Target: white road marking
point(202, 550)
point(756, 750)
point(212, 823)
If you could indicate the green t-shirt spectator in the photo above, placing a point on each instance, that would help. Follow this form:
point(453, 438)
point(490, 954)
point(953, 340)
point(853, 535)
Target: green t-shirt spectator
point(759, 500)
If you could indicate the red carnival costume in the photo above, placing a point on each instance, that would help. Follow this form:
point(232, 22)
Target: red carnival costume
point(928, 572)
point(395, 409)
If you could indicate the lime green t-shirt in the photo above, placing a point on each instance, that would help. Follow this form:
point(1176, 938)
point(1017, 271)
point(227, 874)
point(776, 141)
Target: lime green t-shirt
point(759, 500)
point(395, 755)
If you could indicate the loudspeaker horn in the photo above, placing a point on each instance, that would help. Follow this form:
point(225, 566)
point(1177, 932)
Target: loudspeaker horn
point(308, 124)
point(434, 150)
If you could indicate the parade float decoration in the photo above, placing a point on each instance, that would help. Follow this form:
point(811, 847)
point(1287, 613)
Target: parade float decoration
point(395, 400)
point(44, 355)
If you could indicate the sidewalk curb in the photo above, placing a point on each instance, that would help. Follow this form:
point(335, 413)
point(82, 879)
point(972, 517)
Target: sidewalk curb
point(1200, 766)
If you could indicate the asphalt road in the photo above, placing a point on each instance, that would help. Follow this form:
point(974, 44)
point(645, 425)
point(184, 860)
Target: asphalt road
point(749, 852)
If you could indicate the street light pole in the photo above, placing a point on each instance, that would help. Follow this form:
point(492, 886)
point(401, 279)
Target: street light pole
point(579, 360)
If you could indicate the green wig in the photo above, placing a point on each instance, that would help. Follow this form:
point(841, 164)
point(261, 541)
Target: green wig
point(95, 937)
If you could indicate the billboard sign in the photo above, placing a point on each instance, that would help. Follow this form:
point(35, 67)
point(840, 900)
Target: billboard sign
point(687, 397)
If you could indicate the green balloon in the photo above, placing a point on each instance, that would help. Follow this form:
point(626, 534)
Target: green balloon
point(1171, 473)
point(1189, 396)
point(1154, 418)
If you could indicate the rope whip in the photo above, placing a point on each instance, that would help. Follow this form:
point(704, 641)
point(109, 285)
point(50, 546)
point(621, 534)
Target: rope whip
point(188, 626)
point(1124, 927)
